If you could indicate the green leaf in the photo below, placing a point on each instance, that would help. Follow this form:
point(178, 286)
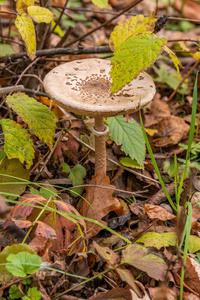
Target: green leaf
point(169, 75)
point(133, 56)
point(26, 28)
point(23, 263)
point(65, 168)
point(76, 175)
point(194, 244)
point(6, 49)
point(129, 135)
point(14, 292)
point(2, 2)
point(18, 143)
point(36, 115)
point(40, 14)
point(33, 294)
point(2, 154)
point(14, 249)
point(131, 163)
point(9, 168)
point(158, 240)
point(131, 27)
point(101, 3)
point(137, 256)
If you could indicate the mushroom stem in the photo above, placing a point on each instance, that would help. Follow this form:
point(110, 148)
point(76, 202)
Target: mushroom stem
point(100, 147)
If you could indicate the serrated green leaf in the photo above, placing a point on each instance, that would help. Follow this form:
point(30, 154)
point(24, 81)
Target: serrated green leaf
point(33, 294)
point(131, 27)
point(23, 263)
point(14, 249)
point(36, 115)
point(12, 167)
point(76, 175)
point(101, 3)
point(18, 143)
point(129, 135)
point(40, 14)
point(174, 58)
point(133, 56)
point(14, 292)
point(26, 28)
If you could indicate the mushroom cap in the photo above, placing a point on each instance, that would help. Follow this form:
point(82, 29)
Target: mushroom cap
point(83, 87)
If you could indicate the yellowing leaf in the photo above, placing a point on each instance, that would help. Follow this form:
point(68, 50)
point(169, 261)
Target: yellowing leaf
point(131, 27)
point(101, 3)
point(40, 14)
point(22, 5)
point(138, 257)
point(158, 240)
point(184, 47)
point(39, 118)
point(133, 56)
point(194, 244)
point(151, 132)
point(18, 143)
point(174, 58)
point(26, 28)
point(10, 168)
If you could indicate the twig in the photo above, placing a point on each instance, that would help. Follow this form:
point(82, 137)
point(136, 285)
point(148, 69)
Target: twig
point(48, 157)
point(187, 75)
point(59, 51)
point(21, 75)
point(8, 89)
point(133, 3)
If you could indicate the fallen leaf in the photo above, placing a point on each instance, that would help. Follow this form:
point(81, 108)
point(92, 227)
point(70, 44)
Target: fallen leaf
point(170, 131)
point(138, 257)
point(99, 202)
point(157, 212)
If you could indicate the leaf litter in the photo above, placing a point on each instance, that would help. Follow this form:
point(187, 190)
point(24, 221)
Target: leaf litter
point(149, 266)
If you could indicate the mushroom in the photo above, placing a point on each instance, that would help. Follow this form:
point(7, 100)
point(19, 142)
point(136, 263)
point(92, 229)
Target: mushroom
point(83, 87)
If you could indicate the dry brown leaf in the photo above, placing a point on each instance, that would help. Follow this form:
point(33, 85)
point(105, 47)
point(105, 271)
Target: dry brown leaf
point(190, 9)
point(159, 108)
point(162, 293)
point(101, 202)
point(170, 131)
point(157, 212)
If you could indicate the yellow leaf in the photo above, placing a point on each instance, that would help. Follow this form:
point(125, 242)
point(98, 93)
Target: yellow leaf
point(184, 47)
point(101, 3)
point(22, 5)
point(40, 14)
point(26, 28)
point(131, 27)
point(174, 58)
point(151, 132)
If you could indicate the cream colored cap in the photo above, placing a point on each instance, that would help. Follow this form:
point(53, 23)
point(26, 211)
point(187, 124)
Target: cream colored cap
point(83, 87)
